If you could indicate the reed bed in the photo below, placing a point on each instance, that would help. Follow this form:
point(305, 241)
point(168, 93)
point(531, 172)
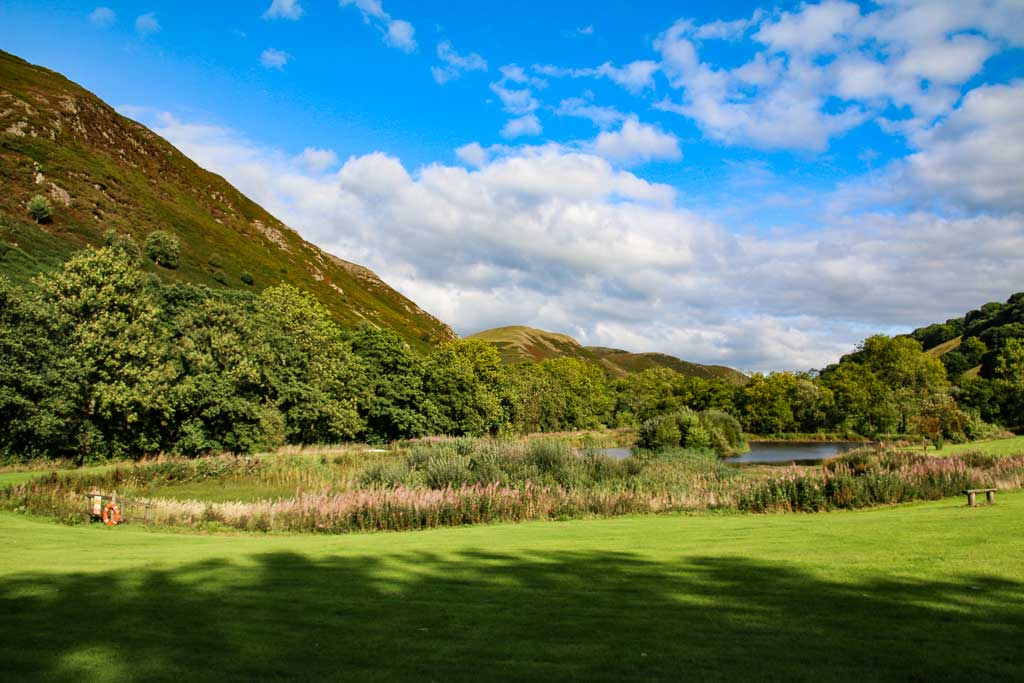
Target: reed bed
point(451, 482)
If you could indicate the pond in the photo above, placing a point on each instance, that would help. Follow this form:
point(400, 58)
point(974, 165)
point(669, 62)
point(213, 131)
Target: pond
point(769, 453)
point(784, 453)
point(616, 453)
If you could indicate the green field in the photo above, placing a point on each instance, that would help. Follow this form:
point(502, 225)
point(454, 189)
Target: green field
point(1002, 447)
point(931, 591)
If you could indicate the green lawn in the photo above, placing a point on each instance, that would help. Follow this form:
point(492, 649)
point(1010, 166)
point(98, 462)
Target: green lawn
point(1012, 446)
point(932, 591)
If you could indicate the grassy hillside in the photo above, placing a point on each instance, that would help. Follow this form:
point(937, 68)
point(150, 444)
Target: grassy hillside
point(103, 171)
point(767, 597)
point(521, 344)
point(969, 345)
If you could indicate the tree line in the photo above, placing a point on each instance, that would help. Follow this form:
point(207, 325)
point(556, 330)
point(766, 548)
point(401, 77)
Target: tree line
point(101, 359)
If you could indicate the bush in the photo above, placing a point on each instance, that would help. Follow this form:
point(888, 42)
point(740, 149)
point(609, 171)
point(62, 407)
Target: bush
point(728, 431)
point(40, 209)
point(246, 277)
point(162, 248)
point(123, 243)
point(659, 432)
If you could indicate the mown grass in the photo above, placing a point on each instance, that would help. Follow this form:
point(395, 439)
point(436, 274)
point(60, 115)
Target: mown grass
point(997, 447)
point(728, 597)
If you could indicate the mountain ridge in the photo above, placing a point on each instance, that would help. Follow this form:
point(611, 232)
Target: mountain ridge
point(524, 344)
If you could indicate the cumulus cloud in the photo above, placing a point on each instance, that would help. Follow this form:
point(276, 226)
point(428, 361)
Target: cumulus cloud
point(147, 24)
point(396, 33)
point(274, 59)
point(636, 142)
point(825, 68)
point(561, 239)
point(102, 17)
point(454, 63)
point(284, 9)
point(969, 161)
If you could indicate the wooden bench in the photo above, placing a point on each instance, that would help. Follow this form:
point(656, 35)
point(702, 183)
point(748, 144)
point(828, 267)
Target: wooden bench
point(990, 496)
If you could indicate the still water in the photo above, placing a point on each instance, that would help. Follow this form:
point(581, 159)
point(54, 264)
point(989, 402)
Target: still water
point(785, 453)
point(804, 453)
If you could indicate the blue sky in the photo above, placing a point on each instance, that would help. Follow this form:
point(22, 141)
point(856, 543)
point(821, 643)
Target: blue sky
point(758, 184)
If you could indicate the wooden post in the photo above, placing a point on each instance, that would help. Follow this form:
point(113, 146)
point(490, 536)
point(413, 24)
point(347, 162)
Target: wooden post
point(990, 496)
point(971, 501)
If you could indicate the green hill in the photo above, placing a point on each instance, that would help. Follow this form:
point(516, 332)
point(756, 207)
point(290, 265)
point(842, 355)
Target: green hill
point(969, 345)
point(102, 171)
point(521, 344)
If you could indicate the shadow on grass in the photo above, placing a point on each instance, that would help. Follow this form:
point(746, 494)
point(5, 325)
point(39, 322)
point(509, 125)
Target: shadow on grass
point(478, 616)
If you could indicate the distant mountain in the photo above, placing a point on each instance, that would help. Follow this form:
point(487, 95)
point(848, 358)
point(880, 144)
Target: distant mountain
point(520, 344)
point(102, 171)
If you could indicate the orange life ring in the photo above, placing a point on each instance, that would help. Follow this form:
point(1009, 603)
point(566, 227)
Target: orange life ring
point(111, 515)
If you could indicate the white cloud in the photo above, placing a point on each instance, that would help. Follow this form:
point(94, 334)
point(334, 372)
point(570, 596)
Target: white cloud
point(102, 17)
point(527, 124)
point(515, 90)
point(147, 24)
point(825, 68)
point(317, 160)
point(400, 35)
point(472, 154)
point(284, 9)
point(969, 161)
point(728, 30)
point(814, 29)
point(602, 117)
point(560, 239)
point(634, 76)
point(274, 59)
point(636, 142)
point(455, 64)
point(586, 30)
point(396, 33)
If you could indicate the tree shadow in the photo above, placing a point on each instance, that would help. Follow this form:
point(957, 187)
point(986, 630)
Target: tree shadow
point(482, 615)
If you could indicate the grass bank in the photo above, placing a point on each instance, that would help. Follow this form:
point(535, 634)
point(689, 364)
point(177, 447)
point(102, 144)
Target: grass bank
point(783, 597)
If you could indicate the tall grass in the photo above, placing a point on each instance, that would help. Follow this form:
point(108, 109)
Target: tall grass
point(864, 478)
point(472, 481)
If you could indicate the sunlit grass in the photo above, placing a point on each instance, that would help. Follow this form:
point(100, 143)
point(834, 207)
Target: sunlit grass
point(919, 592)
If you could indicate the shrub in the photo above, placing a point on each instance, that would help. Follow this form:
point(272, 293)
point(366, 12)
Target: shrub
point(40, 209)
point(162, 248)
point(123, 243)
point(727, 426)
point(692, 432)
point(246, 277)
point(659, 432)
point(215, 261)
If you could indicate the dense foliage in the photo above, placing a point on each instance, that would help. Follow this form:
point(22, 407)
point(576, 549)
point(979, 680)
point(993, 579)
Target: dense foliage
point(102, 360)
point(985, 364)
